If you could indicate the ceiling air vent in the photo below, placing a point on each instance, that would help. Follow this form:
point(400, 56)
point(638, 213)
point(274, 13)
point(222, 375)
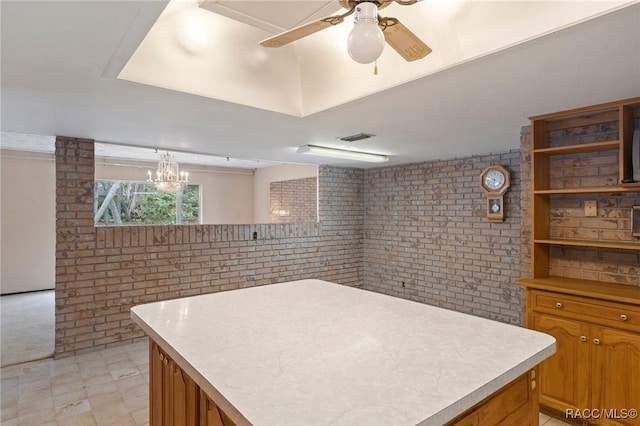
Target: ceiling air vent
point(356, 137)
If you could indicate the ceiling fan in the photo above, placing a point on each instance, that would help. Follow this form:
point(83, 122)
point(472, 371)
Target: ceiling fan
point(371, 31)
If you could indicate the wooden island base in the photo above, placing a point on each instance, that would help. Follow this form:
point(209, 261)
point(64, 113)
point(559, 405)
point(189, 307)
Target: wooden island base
point(176, 399)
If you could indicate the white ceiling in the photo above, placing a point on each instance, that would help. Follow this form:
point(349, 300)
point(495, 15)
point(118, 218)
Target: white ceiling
point(60, 61)
point(46, 144)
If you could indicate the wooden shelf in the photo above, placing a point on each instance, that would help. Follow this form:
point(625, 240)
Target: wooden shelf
point(586, 111)
point(603, 290)
point(623, 245)
point(580, 149)
point(631, 186)
point(603, 189)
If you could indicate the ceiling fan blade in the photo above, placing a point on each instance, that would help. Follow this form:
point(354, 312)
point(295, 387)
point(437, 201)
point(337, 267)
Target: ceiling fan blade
point(403, 41)
point(305, 30)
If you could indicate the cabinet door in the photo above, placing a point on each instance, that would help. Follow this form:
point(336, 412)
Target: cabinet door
point(156, 384)
point(184, 397)
point(210, 414)
point(564, 377)
point(616, 375)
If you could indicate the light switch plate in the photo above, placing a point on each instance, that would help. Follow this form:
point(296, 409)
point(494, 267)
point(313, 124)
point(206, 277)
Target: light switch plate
point(590, 208)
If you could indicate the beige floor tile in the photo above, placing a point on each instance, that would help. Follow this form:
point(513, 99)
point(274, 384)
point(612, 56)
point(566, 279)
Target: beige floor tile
point(115, 355)
point(124, 420)
point(141, 416)
point(124, 373)
point(12, 371)
point(37, 405)
point(94, 371)
point(66, 378)
point(127, 383)
point(106, 400)
point(98, 380)
point(106, 413)
point(9, 388)
point(35, 383)
point(8, 412)
point(80, 419)
point(37, 418)
point(69, 397)
point(543, 418)
point(67, 387)
point(137, 403)
point(73, 408)
point(28, 397)
point(101, 388)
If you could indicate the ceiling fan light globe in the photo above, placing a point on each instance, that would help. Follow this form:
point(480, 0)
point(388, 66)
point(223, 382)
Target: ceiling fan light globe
point(365, 43)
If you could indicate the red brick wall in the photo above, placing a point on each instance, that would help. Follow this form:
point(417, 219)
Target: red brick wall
point(297, 199)
point(427, 238)
point(102, 272)
point(416, 231)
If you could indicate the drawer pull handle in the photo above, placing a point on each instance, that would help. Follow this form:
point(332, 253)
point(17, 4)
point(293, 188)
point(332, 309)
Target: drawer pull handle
point(533, 385)
point(596, 341)
point(558, 305)
point(166, 361)
point(623, 317)
point(583, 338)
point(161, 357)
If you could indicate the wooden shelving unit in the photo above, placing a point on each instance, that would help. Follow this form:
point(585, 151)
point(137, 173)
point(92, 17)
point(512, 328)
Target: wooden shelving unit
point(621, 117)
point(595, 318)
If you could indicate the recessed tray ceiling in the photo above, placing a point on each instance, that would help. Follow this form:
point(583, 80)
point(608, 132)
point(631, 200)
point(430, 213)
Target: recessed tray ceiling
point(217, 54)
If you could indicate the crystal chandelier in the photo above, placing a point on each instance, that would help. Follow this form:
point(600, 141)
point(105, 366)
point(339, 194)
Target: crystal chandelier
point(168, 177)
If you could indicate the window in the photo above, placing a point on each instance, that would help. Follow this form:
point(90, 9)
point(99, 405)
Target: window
point(119, 203)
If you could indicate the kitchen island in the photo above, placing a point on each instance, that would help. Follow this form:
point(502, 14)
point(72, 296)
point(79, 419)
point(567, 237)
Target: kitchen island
point(311, 352)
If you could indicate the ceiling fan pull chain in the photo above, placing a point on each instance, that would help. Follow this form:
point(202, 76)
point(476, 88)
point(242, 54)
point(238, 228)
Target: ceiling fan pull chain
point(375, 68)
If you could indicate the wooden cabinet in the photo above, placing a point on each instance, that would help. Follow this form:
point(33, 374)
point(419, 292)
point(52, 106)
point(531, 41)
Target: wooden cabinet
point(597, 359)
point(564, 380)
point(515, 404)
point(584, 287)
point(616, 371)
point(210, 414)
point(176, 400)
point(174, 397)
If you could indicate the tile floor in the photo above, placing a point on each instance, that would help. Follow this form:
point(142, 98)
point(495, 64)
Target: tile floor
point(106, 387)
point(549, 421)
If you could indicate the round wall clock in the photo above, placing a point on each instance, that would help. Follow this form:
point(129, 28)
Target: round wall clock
point(495, 180)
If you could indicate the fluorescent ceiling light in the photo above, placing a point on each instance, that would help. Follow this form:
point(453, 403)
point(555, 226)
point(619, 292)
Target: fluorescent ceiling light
point(342, 153)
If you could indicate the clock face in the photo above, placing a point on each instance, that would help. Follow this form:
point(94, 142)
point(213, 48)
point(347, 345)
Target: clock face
point(494, 180)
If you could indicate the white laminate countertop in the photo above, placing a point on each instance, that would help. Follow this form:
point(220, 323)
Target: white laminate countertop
point(311, 352)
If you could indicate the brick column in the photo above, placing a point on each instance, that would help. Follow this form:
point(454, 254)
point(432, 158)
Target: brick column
point(75, 242)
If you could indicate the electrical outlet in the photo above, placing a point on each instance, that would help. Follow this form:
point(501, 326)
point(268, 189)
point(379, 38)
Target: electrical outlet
point(590, 208)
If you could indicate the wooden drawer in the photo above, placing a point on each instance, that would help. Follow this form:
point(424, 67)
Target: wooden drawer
point(619, 315)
